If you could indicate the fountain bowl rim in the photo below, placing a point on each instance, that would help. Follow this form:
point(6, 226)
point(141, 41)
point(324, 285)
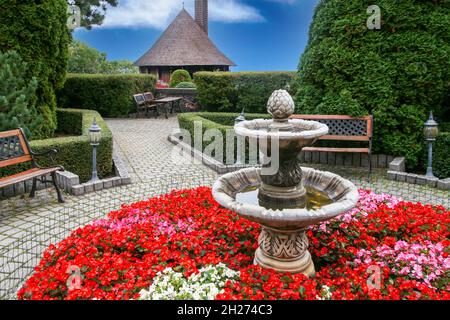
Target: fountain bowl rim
point(313, 129)
point(298, 217)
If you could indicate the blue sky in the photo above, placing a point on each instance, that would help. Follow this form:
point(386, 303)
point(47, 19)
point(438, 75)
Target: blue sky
point(256, 34)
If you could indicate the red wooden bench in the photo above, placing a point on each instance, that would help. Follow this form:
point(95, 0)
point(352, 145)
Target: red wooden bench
point(14, 149)
point(344, 128)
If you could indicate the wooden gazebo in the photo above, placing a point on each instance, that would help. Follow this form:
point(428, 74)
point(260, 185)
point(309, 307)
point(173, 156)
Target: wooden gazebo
point(184, 45)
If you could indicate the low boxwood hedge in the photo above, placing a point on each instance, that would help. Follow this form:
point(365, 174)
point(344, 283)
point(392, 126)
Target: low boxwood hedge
point(233, 91)
point(74, 152)
point(110, 95)
point(219, 121)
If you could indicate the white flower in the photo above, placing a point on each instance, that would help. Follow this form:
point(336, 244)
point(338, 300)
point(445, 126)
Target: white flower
point(205, 285)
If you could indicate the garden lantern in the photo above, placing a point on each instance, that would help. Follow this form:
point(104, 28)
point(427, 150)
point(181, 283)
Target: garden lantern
point(431, 132)
point(95, 136)
point(240, 141)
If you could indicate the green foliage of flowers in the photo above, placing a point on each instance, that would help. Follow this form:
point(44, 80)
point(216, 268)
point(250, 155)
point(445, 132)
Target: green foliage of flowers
point(179, 76)
point(16, 92)
point(38, 31)
point(398, 73)
point(233, 91)
point(110, 95)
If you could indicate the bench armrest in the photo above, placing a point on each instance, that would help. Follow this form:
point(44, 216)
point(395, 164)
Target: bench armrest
point(49, 152)
point(44, 153)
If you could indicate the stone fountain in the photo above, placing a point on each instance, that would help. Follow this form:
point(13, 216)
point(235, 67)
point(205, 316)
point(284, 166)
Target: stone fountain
point(290, 198)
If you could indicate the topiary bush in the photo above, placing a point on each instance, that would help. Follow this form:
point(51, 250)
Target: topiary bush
point(233, 91)
point(38, 31)
point(16, 92)
point(186, 85)
point(111, 95)
point(397, 73)
point(179, 76)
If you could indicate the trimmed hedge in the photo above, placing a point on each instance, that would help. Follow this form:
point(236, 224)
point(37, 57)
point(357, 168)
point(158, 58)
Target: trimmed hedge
point(74, 152)
point(110, 95)
point(219, 121)
point(441, 156)
point(233, 91)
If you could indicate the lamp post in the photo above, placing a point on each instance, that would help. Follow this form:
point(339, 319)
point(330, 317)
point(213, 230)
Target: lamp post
point(95, 135)
point(240, 140)
point(431, 131)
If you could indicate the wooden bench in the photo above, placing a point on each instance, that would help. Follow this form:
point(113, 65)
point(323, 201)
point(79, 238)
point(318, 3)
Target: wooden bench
point(145, 103)
point(14, 149)
point(344, 128)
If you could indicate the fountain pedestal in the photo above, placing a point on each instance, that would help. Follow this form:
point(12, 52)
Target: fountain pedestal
point(284, 251)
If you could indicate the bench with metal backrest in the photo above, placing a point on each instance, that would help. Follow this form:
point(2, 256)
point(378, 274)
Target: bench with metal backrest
point(14, 149)
point(146, 102)
point(344, 128)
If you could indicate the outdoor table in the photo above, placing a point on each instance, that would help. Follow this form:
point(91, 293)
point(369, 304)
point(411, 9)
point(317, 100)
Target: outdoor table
point(167, 103)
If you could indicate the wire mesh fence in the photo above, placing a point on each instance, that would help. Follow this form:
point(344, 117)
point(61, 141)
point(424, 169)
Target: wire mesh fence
point(26, 234)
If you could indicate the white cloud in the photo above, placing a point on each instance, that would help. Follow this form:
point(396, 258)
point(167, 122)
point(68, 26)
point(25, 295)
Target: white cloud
point(159, 13)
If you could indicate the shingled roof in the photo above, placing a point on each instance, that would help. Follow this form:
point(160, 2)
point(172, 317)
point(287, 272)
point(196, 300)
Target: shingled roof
point(184, 43)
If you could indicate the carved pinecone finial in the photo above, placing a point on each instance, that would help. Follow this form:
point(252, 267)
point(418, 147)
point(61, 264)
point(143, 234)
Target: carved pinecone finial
point(280, 105)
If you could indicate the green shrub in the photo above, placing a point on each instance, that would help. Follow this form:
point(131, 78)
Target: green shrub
point(179, 76)
point(233, 91)
point(441, 156)
point(38, 31)
point(398, 73)
point(186, 85)
point(110, 95)
point(16, 93)
point(74, 152)
point(219, 121)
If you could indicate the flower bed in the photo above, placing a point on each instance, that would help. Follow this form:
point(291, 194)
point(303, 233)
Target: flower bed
point(184, 245)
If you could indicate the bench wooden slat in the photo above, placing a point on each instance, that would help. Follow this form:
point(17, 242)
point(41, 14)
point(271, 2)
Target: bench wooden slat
point(316, 149)
point(26, 175)
point(10, 133)
point(12, 161)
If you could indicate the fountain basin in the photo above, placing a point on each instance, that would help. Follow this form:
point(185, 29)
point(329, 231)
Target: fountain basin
point(283, 242)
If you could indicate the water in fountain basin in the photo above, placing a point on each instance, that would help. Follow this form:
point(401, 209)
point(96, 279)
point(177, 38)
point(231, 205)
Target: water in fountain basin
point(315, 198)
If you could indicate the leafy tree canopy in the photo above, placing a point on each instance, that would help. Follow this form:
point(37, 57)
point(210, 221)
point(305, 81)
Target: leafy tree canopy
point(85, 59)
point(16, 92)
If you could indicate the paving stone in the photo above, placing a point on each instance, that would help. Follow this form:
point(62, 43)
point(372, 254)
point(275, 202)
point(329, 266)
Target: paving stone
point(444, 184)
point(432, 182)
point(392, 175)
point(77, 190)
point(411, 178)
point(98, 185)
point(398, 164)
point(88, 187)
